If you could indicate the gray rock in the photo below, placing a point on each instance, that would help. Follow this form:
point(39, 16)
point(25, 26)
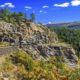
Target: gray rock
point(47, 51)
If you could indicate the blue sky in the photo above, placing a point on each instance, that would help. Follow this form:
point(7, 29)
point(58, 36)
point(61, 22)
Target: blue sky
point(46, 11)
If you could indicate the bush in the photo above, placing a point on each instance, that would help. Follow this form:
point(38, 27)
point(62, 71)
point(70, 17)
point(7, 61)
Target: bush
point(75, 75)
point(23, 58)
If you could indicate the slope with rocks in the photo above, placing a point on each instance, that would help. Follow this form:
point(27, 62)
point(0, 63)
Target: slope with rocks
point(40, 42)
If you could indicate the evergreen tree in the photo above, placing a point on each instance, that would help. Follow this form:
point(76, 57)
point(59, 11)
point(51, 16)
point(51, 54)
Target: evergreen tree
point(5, 14)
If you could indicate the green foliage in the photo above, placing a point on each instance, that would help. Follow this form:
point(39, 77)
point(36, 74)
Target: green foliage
point(30, 69)
point(5, 14)
point(7, 65)
point(18, 17)
point(71, 36)
point(23, 58)
point(75, 75)
point(22, 67)
point(14, 17)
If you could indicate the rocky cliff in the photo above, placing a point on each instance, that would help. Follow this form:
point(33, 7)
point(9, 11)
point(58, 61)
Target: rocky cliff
point(39, 41)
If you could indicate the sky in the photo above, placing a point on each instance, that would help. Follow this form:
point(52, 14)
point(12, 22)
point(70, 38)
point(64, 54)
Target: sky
point(46, 11)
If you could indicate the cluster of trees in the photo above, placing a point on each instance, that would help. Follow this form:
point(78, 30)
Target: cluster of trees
point(15, 17)
point(71, 36)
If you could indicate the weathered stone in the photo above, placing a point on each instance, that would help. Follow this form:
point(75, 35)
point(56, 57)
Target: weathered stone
point(47, 51)
point(37, 40)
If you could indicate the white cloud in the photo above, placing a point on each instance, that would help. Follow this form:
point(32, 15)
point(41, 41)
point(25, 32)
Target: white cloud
point(49, 22)
point(2, 5)
point(62, 5)
point(75, 2)
point(45, 6)
point(43, 12)
point(8, 4)
point(40, 11)
point(28, 7)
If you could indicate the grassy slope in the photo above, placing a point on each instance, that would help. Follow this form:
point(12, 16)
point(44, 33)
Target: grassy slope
point(21, 66)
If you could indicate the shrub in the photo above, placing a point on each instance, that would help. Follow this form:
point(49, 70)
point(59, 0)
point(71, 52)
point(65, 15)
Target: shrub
point(24, 59)
point(75, 75)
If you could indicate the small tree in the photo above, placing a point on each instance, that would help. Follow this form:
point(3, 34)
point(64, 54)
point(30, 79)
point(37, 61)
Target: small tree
point(18, 17)
point(5, 14)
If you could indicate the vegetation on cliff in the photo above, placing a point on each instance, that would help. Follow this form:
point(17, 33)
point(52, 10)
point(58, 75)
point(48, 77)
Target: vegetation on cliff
point(15, 17)
point(70, 36)
point(20, 66)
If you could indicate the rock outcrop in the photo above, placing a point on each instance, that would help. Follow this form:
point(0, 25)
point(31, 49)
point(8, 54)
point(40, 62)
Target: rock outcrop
point(38, 41)
point(31, 33)
point(48, 51)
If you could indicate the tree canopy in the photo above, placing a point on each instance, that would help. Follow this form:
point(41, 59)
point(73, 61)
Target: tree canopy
point(12, 17)
point(71, 36)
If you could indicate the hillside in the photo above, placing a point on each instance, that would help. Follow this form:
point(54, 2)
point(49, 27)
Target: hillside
point(41, 52)
point(31, 51)
point(70, 36)
point(67, 25)
point(39, 40)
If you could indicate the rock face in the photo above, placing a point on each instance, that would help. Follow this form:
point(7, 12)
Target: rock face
point(48, 51)
point(6, 27)
point(38, 41)
point(31, 33)
point(38, 34)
